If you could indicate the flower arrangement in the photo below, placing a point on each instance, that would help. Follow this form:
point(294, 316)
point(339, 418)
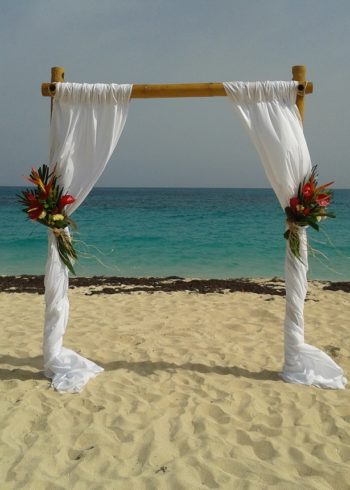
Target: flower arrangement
point(46, 204)
point(308, 208)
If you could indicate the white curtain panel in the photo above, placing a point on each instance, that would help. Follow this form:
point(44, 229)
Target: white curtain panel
point(87, 121)
point(269, 113)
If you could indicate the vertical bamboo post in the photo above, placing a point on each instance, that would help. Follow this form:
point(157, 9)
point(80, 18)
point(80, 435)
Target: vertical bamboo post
point(299, 74)
point(57, 75)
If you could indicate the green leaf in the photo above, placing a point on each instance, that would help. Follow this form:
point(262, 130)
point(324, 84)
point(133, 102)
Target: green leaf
point(314, 225)
point(286, 234)
point(299, 192)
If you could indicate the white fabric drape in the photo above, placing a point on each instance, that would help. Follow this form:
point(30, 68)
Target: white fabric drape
point(269, 113)
point(87, 121)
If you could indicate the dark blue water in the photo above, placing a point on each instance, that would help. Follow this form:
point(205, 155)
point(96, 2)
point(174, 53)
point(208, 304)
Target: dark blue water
point(185, 232)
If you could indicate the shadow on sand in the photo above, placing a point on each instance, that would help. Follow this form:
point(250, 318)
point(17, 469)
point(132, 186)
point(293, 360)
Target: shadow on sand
point(21, 374)
point(146, 368)
point(142, 368)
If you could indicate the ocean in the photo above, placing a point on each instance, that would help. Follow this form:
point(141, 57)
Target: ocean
point(201, 233)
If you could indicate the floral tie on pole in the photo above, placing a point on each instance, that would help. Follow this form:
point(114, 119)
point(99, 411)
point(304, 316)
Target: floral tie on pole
point(46, 204)
point(308, 208)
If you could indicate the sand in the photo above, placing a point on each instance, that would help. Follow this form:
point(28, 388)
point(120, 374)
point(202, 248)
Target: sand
point(190, 398)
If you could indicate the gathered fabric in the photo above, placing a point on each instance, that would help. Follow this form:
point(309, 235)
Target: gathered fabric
point(87, 121)
point(272, 120)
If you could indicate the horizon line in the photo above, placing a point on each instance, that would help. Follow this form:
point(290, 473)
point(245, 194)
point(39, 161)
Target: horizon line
point(171, 187)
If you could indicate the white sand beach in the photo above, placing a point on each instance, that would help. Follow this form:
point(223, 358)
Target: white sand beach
point(190, 397)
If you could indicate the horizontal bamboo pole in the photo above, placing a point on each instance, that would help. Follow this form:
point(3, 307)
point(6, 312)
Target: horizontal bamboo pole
point(155, 91)
point(177, 90)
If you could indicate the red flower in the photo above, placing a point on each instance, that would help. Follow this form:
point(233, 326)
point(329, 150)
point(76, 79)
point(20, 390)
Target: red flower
point(30, 198)
point(323, 200)
point(34, 213)
point(293, 202)
point(308, 190)
point(49, 184)
point(306, 211)
point(64, 200)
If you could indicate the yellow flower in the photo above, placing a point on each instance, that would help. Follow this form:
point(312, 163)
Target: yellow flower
point(299, 207)
point(42, 214)
point(58, 217)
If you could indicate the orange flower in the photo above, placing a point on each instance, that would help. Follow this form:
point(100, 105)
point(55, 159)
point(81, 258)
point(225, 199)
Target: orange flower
point(322, 187)
point(35, 179)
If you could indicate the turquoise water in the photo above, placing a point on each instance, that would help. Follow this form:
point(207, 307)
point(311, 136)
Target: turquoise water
point(204, 233)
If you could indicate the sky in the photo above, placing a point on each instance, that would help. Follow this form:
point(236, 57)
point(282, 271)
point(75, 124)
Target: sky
point(175, 142)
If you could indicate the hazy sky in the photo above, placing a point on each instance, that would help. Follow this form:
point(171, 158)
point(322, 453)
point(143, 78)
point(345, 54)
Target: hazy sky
point(175, 142)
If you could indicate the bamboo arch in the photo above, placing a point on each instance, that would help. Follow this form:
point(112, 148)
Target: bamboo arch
point(71, 371)
point(211, 89)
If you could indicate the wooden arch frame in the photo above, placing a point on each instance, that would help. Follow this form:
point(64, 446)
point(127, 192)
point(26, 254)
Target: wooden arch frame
point(213, 89)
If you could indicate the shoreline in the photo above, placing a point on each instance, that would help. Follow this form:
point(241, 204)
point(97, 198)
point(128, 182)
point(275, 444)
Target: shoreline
point(34, 284)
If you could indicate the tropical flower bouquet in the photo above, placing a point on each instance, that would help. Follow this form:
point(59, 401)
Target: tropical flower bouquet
point(46, 204)
point(308, 208)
